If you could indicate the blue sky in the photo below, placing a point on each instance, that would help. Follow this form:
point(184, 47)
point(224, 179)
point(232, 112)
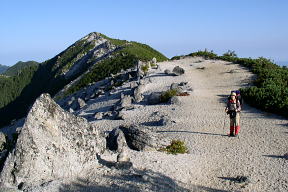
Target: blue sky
point(38, 29)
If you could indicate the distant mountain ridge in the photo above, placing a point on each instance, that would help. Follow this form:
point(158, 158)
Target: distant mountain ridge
point(90, 59)
point(3, 68)
point(15, 69)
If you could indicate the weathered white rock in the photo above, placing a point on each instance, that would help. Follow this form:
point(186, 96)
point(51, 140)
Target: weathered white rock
point(53, 144)
point(81, 102)
point(154, 60)
point(98, 115)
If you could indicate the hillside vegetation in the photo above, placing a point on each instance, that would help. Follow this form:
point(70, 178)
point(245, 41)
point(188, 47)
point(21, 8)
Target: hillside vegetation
point(15, 69)
point(270, 90)
point(100, 54)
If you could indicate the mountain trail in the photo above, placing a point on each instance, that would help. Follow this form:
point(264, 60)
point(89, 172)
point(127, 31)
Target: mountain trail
point(214, 160)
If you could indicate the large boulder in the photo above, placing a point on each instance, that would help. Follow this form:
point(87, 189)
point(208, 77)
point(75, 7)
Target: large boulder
point(139, 139)
point(53, 144)
point(178, 71)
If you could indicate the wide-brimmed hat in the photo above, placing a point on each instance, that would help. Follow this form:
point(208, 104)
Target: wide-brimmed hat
point(233, 94)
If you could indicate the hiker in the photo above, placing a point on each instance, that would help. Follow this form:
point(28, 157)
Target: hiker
point(233, 108)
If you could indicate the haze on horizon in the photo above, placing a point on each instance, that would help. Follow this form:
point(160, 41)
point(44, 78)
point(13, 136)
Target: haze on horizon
point(38, 30)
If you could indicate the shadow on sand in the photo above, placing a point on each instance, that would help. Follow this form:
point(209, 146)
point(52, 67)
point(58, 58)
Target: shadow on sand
point(132, 179)
point(276, 156)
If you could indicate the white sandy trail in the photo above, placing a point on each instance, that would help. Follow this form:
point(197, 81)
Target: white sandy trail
point(215, 159)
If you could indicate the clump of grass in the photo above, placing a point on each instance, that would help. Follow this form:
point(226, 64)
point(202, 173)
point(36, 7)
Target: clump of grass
point(153, 65)
point(145, 68)
point(165, 96)
point(176, 147)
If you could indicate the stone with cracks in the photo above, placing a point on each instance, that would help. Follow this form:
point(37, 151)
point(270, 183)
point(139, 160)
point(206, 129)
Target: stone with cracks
point(53, 144)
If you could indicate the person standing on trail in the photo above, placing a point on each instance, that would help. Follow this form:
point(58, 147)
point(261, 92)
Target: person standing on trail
point(233, 108)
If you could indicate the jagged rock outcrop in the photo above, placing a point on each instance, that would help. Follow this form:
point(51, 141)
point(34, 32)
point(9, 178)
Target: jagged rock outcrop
point(53, 144)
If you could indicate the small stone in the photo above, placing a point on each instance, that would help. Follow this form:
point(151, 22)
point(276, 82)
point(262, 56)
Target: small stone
point(183, 83)
point(98, 115)
point(174, 86)
point(81, 102)
point(165, 121)
point(71, 110)
point(242, 179)
point(71, 101)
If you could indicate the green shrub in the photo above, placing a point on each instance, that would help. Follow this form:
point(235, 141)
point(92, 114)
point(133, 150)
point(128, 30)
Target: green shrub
point(145, 68)
point(176, 58)
point(230, 53)
point(176, 146)
point(205, 54)
point(270, 90)
point(153, 65)
point(165, 96)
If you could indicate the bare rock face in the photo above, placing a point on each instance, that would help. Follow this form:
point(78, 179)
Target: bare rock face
point(53, 144)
